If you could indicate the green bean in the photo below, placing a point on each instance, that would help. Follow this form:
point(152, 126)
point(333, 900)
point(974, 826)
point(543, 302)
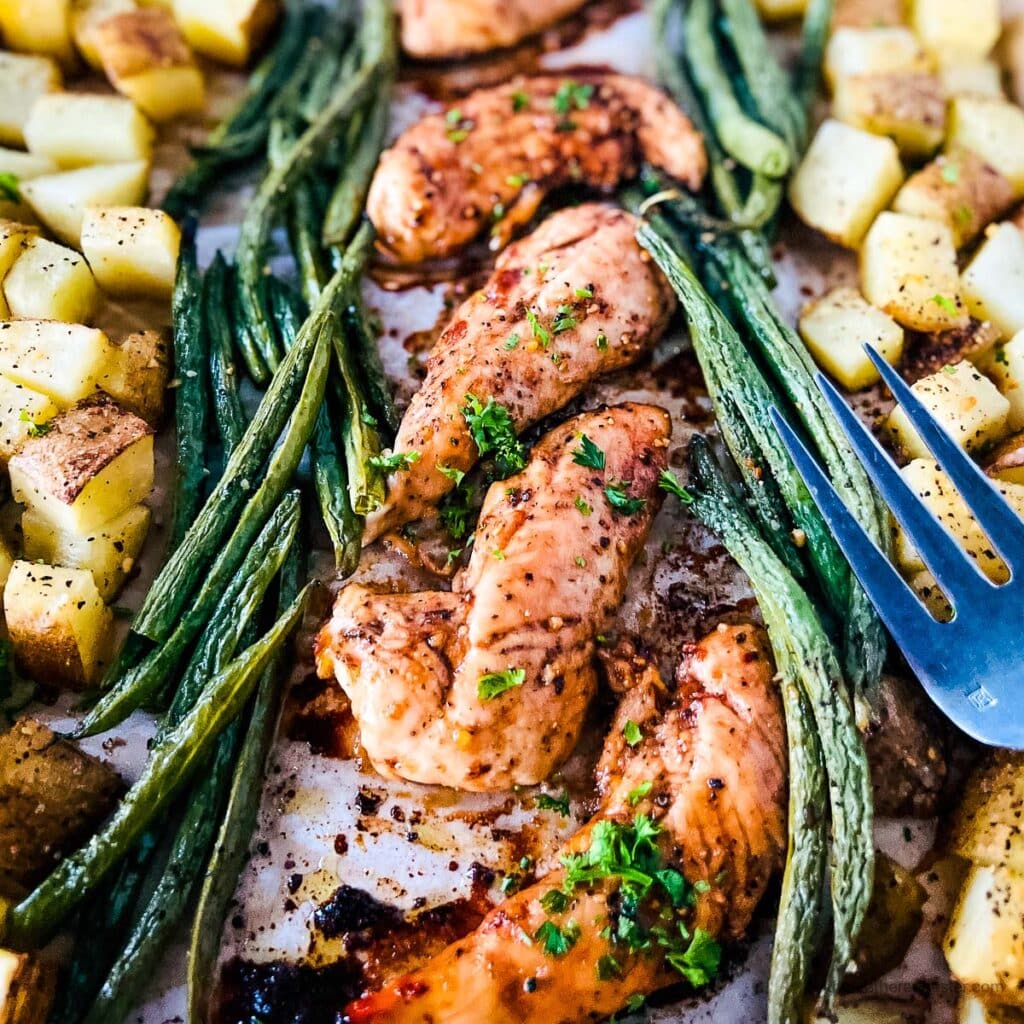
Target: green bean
point(817, 25)
point(233, 837)
point(191, 397)
point(227, 403)
point(170, 766)
point(746, 140)
point(375, 382)
point(251, 356)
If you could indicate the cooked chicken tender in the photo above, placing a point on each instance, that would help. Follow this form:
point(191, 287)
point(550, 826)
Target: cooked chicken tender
point(433, 29)
point(711, 765)
point(487, 686)
point(491, 160)
point(576, 299)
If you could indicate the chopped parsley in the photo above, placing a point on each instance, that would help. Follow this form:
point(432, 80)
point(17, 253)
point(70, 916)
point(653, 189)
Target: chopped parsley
point(607, 968)
point(698, 963)
point(584, 293)
point(557, 941)
point(945, 303)
point(950, 173)
point(580, 561)
point(34, 429)
point(621, 502)
point(498, 554)
point(10, 186)
point(632, 732)
point(571, 95)
point(540, 332)
point(459, 127)
point(494, 684)
point(517, 180)
point(396, 462)
point(565, 320)
point(494, 434)
point(634, 796)
point(520, 100)
point(668, 482)
point(555, 901)
point(547, 802)
point(602, 341)
point(455, 475)
point(511, 883)
point(582, 506)
point(456, 511)
point(588, 454)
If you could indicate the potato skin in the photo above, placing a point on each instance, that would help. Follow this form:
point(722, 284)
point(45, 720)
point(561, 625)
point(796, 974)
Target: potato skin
point(51, 797)
point(869, 14)
point(138, 41)
point(139, 383)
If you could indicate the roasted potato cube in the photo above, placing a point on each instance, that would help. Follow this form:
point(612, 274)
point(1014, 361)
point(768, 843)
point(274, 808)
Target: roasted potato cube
point(923, 584)
point(23, 79)
point(229, 31)
point(1012, 54)
point(52, 796)
point(60, 629)
point(954, 29)
point(64, 361)
point(908, 269)
point(109, 551)
point(959, 189)
point(963, 400)
point(13, 240)
point(985, 942)
point(867, 51)
point(50, 282)
point(24, 166)
point(847, 177)
point(132, 251)
point(1006, 460)
point(929, 353)
point(992, 128)
point(972, 78)
point(38, 26)
point(989, 826)
point(95, 463)
point(26, 988)
point(138, 374)
point(1005, 365)
point(780, 10)
point(993, 283)
point(908, 107)
point(86, 18)
point(79, 129)
point(869, 14)
point(60, 200)
point(944, 502)
point(837, 327)
point(972, 1010)
point(24, 413)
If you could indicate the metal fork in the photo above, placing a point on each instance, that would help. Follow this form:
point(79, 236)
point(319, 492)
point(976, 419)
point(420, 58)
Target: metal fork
point(972, 666)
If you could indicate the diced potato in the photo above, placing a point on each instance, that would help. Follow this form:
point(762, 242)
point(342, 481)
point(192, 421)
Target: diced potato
point(780, 10)
point(847, 177)
point(132, 251)
point(86, 18)
point(145, 57)
point(1005, 365)
point(1012, 54)
point(60, 200)
point(908, 269)
point(38, 26)
point(50, 282)
point(16, 211)
point(78, 129)
point(24, 166)
point(873, 51)
point(1006, 460)
point(59, 626)
point(944, 502)
point(959, 189)
point(923, 584)
point(52, 796)
point(929, 353)
point(109, 551)
point(837, 327)
point(954, 29)
point(993, 283)
point(992, 128)
point(24, 413)
point(963, 400)
point(26, 988)
point(908, 107)
point(869, 14)
point(985, 942)
point(972, 78)
point(229, 31)
point(23, 79)
point(971, 1010)
point(95, 463)
point(64, 361)
point(138, 373)
point(989, 828)
point(13, 240)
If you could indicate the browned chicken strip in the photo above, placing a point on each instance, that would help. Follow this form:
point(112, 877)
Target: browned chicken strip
point(487, 686)
point(432, 29)
point(491, 160)
point(711, 768)
point(576, 299)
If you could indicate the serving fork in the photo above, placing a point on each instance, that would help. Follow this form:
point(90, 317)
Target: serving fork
point(972, 667)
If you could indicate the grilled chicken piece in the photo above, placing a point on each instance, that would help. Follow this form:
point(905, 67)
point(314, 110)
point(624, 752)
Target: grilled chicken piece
point(434, 29)
point(716, 763)
point(548, 571)
point(492, 159)
point(597, 303)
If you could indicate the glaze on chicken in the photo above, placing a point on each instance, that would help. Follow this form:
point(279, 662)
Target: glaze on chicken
point(712, 761)
point(487, 163)
point(548, 570)
point(576, 299)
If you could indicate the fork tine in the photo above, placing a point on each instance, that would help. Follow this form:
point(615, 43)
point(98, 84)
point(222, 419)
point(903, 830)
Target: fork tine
point(901, 611)
point(952, 568)
point(1003, 526)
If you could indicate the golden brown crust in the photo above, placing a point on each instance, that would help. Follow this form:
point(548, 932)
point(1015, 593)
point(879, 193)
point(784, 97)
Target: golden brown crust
point(134, 42)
